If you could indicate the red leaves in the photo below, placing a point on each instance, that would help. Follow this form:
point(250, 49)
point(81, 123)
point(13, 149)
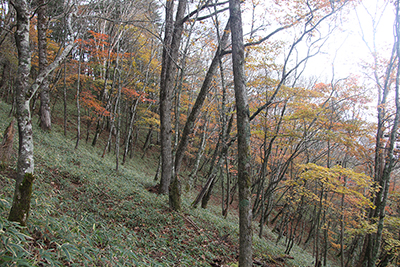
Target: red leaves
point(90, 101)
point(132, 93)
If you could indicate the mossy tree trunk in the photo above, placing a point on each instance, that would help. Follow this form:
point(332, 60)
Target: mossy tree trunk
point(23, 187)
point(24, 92)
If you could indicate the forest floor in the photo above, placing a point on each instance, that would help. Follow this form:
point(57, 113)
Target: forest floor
point(84, 213)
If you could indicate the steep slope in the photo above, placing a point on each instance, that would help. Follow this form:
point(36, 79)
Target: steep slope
point(84, 213)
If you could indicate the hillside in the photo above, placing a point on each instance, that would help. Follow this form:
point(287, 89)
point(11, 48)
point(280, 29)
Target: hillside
point(84, 213)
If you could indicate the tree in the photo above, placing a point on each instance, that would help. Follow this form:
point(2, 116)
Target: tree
point(385, 79)
point(172, 39)
point(243, 128)
point(24, 92)
point(45, 116)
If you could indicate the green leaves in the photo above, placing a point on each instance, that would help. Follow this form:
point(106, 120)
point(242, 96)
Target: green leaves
point(12, 251)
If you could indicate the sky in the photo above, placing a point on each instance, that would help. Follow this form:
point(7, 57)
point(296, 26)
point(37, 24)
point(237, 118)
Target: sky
point(346, 48)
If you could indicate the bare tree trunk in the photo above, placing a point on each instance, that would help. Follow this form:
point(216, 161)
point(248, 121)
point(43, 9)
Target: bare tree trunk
point(342, 225)
point(117, 138)
point(114, 113)
point(165, 101)
point(65, 98)
point(158, 170)
point(199, 155)
point(172, 40)
point(147, 143)
point(78, 105)
point(190, 122)
point(384, 154)
point(130, 130)
point(45, 115)
point(6, 145)
point(243, 128)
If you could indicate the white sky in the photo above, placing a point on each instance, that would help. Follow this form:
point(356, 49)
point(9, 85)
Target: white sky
point(351, 50)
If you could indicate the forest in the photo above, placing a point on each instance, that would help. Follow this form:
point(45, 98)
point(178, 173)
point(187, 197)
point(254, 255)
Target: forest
point(218, 130)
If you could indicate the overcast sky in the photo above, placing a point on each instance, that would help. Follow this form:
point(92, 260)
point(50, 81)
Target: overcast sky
point(347, 49)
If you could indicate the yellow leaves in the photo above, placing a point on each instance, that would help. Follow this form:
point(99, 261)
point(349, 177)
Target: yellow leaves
point(337, 181)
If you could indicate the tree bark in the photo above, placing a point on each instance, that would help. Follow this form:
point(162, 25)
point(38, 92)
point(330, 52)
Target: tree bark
point(23, 187)
point(45, 115)
point(65, 99)
point(384, 153)
point(78, 105)
point(172, 40)
point(165, 103)
point(243, 129)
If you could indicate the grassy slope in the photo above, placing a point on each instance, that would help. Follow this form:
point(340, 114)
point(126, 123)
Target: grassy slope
point(83, 213)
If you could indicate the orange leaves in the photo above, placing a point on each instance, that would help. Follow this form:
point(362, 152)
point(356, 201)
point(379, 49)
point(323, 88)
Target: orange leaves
point(321, 86)
point(98, 48)
point(89, 101)
point(133, 94)
point(130, 93)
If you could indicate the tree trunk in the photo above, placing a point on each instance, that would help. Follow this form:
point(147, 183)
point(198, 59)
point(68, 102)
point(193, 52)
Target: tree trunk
point(199, 155)
point(384, 154)
point(190, 122)
point(6, 145)
point(117, 138)
point(65, 98)
point(243, 129)
point(147, 143)
point(23, 186)
point(45, 115)
point(165, 102)
point(78, 105)
point(114, 114)
point(130, 130)
point(172, 40)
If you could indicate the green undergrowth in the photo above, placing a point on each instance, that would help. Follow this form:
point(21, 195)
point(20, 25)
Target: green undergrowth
point(84, 213)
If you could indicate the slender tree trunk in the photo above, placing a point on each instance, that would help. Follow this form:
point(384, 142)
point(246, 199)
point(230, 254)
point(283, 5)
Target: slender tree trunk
point(45, 116)
point(243, 128)
point(207, 196)
point(114, 114)
point(65, 98)
point(384, 156)
point(130, 130)
point(199, 155)
point(78, 105)
point(147, 143)
point(228, 184)
point(203, 191)
point(342, 225)
point(117, 138)
point(158, 169)
point(99, 129)
point(190, 122)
